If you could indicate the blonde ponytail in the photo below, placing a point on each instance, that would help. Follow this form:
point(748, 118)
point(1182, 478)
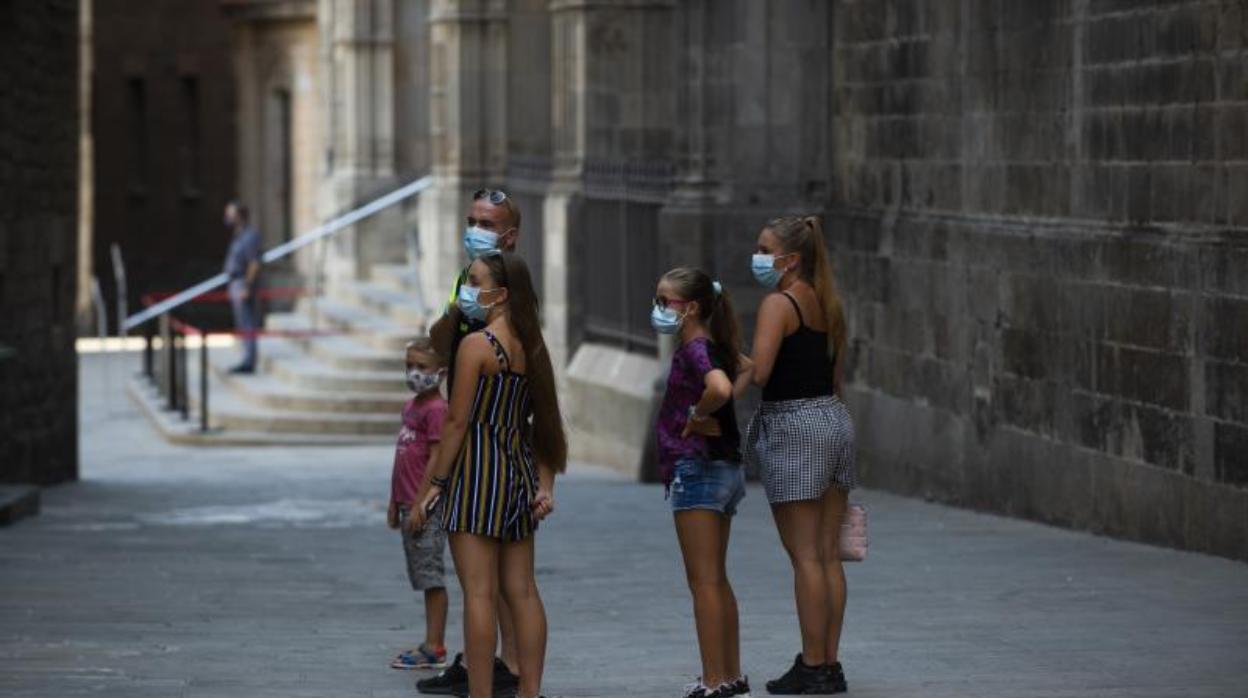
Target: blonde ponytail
point(825, 288)
point(804, 235)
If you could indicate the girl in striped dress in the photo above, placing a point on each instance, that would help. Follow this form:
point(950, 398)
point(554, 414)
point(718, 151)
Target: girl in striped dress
point(502, 444)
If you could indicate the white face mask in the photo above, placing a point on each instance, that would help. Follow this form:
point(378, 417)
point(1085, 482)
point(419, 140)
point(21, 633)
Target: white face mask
point(421, 382)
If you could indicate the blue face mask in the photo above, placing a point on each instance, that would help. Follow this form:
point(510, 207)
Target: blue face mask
point(765, 271)
point(470, 305)
point(478, 241)
point(665, 320)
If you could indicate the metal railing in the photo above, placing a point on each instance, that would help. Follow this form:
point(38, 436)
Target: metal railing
point(347, 219)
point(168, 370)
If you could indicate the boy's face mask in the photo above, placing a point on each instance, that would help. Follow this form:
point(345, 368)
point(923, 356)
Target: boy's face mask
point(423, 381)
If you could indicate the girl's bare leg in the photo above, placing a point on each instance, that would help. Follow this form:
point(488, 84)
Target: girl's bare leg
point(477, 564)
point(799, 524)
point(528, 615)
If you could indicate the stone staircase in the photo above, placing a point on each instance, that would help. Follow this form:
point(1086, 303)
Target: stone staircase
point(340, 383)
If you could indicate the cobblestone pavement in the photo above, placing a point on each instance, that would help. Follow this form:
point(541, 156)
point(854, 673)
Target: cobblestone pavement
point(170, 571)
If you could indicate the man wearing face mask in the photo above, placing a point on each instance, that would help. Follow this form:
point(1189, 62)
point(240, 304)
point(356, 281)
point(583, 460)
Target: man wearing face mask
point(493, 225)
point(242, 266)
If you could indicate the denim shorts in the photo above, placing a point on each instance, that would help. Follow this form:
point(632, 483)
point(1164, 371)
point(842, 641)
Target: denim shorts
point(713, 485)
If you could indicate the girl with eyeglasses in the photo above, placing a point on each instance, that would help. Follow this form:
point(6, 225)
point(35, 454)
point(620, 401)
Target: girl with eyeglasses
point(700, 461)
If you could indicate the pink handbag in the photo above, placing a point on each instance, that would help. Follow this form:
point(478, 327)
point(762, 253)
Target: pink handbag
point(854, 534)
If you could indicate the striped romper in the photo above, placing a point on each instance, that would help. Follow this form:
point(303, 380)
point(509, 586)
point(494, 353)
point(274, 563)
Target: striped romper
point(493, 481)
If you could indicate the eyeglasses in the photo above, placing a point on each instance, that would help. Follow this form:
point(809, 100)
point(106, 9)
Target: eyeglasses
point(664, 301)
point(496, 196)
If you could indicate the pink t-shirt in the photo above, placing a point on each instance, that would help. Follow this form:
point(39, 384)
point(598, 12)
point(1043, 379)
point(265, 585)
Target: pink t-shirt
point(422, 427)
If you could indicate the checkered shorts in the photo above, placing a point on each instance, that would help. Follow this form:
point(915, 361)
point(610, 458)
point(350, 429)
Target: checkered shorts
point(426, 567)
point(801, 447)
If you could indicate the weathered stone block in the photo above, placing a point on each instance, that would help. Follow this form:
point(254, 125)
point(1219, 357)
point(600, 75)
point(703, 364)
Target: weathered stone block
point(1226, 391)
point(1224, 325)
point(1230, 455)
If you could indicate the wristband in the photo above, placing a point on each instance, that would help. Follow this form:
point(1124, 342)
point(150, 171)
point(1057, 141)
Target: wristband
point(440, 482)
point(693, 412)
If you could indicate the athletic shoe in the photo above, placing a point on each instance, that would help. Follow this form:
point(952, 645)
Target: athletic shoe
point(450, 680)
point(506, 684)
point(803, 680)
point(739, 688)
point(420, 658)
point(835, 676)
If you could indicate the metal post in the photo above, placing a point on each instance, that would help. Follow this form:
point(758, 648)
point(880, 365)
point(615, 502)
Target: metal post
point(203, 382)
point(170, 362)
point(184, 390)
point(119, 276)
point(149, 335)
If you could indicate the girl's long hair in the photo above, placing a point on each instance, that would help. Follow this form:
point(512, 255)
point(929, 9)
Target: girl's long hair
point(714, 310)
point(804, 235)
point(550, 444)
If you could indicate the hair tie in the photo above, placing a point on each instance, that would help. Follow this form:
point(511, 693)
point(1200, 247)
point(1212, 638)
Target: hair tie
point(717, 287)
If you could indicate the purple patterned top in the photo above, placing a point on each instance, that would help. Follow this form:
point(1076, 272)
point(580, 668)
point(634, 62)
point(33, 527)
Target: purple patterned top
point(685, 384)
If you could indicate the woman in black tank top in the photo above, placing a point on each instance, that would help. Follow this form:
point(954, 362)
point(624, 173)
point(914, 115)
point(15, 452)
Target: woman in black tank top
point(802, 437)
point(804, 366)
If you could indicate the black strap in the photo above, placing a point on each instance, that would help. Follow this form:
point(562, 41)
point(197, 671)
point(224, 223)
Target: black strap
point(500, 353)
point(800, 320)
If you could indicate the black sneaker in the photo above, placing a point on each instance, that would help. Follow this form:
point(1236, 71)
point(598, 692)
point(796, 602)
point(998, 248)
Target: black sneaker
point(802, 680)
point(835, 677)
point(739, 688)
point(701, 690)
point(506, 684)
point(449, 682)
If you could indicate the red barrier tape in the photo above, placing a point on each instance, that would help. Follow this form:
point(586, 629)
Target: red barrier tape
point(187, 328)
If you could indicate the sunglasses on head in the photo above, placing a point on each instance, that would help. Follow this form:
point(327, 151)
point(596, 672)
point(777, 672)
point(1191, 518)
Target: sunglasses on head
point(495, 196)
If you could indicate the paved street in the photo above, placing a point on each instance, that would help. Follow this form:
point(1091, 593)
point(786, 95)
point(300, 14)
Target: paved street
point(170, 571)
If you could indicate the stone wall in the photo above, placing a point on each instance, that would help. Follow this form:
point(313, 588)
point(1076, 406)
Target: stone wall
point(1040, 224)
point(38, 240)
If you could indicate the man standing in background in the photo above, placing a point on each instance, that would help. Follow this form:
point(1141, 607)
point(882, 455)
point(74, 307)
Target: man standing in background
point(242, 266)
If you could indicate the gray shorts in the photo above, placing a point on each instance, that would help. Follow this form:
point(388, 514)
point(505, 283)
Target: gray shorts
point(424, 551)
point(802, 447)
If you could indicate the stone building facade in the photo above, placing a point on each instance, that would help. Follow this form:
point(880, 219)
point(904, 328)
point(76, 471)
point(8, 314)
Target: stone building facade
point(38, 240)
point(163, 143)
point(1035, 209)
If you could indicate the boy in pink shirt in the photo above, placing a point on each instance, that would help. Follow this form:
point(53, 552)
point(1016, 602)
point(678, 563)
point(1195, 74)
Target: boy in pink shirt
point(419, 436)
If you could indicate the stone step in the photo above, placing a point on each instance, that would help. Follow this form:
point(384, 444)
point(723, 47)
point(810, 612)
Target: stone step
point(268, 391)
point(401, 306)
point(310, 373)
point(17, 502)
point(188, 432)
point(260, 403)
point(312, 423)
point(399, 277)
point(343, 351)
point(369, 327)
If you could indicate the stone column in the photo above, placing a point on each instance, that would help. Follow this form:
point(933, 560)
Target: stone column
point(686, 217)
point(358, 63)
point(610, 106)
point(86, 176)
point(468, 126)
